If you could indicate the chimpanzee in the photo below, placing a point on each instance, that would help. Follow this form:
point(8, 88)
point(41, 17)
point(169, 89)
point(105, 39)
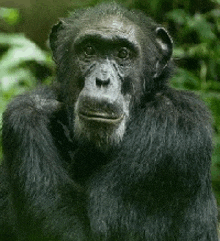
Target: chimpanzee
point(110, 151)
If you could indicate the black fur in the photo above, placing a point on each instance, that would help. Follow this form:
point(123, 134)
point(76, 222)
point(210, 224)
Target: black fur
point(152, 185)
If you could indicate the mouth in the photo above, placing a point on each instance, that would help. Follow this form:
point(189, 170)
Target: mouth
point(101, 117)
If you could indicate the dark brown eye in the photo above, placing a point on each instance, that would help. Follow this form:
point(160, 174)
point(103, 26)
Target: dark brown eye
point(89, 50)
point(123, 53)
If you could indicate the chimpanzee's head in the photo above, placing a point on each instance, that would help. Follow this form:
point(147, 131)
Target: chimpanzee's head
point(107, 59)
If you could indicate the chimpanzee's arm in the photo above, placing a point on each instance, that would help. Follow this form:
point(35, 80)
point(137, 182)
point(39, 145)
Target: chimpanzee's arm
point(37, 177)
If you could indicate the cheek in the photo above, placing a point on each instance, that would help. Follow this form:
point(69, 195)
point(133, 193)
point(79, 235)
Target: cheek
point(132, 78)
point(83, 66)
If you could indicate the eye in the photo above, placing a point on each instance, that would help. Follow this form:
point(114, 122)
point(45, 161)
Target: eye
point(89, 50)
point(123, 53)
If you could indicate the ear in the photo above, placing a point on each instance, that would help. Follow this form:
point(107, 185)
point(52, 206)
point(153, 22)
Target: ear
point(165, 44)
point(54, 35)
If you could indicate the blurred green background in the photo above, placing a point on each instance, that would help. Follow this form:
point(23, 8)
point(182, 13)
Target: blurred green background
point(25, 59)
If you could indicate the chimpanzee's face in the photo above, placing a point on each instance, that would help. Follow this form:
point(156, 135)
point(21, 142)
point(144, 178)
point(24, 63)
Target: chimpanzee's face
point(108, 56)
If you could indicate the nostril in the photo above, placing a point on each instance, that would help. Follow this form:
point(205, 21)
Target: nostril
point(102, 82)
point(98, 82)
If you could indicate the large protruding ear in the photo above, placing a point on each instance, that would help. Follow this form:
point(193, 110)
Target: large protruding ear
point(165, 43)
point(54, 35)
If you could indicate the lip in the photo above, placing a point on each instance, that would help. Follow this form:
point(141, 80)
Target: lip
point(101, 117)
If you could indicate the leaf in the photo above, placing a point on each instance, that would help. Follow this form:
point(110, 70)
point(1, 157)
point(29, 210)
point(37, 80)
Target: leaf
point(10, 15)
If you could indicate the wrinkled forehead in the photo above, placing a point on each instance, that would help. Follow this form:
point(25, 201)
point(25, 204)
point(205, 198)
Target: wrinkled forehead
point(110, 28)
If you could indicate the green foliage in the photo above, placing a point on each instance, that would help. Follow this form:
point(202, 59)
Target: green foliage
point(17, 57)
point(10, 15)
point(198, 36)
